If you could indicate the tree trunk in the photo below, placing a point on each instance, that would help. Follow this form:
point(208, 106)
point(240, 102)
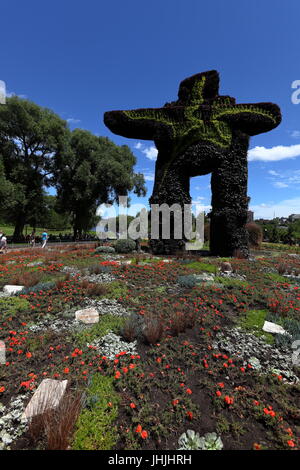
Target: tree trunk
point(19, 227)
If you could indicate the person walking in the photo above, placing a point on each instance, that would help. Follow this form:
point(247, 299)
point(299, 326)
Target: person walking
point(44, 238)
point(3, 243)
point(32, 239)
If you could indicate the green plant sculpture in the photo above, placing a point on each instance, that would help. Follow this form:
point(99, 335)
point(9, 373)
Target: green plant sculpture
point(200, 133)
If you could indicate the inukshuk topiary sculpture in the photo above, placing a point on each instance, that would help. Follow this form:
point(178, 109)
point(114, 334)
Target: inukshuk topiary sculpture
point(201, 133)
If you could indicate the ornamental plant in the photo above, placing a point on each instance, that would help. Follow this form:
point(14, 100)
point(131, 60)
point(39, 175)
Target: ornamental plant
point(192, 441)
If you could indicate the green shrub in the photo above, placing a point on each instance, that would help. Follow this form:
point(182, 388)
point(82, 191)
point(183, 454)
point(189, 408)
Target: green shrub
point(200, 267)
point(125, 246)
point(106, 324)
point(231, 282)
point(10, 307)
point(254, 321)
point(189, 281)
point(104, 249)
point(116, 290)
point(94, 427)
point(255, 234)
point(41, 286)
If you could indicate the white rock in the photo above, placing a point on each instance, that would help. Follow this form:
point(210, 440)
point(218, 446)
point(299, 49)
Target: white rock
point(270, 327)
point(87, 315)
point(11, 290)
point(47, 396)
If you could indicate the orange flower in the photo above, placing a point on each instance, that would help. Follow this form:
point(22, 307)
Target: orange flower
point(29, 355)
point(139, 428)
point(118, 375)
point(218, 393)
point(189, 391)
point(256, 446)
point(2, 389)
point(144, 434)
point(66, 370)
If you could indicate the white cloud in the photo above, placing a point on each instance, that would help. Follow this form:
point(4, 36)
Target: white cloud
point(10, 94)
point(149, 176)
point(273, 154)
point(150, 152)
point(280, 184)
point(285, 179)
point(273, 173)
point(281, 209)
point(73, 121)
point(295, 134)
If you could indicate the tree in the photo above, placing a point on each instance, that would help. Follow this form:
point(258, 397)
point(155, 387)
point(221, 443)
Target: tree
point(7, 193)
point(93, 171)
point(31, 137)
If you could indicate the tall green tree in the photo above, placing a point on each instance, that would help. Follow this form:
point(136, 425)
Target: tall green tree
point(31, 138)
point(93, 171)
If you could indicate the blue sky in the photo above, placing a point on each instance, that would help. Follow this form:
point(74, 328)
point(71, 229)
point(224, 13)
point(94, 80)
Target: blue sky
point(84, 58)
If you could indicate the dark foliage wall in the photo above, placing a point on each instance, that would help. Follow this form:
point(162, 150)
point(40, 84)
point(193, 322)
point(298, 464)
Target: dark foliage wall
point(200, 133)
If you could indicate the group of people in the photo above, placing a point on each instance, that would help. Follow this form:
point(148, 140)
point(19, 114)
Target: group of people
point(3, 240)
point(44, 238)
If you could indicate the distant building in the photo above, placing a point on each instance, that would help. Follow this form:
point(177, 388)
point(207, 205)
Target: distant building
point(294, 217)
point(250, 216)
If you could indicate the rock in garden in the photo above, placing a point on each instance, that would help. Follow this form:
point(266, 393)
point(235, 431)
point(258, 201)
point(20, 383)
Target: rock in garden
point(270, 327)
point(87, 315)
point(11, 290)
point(47, 396)
point(205, 277)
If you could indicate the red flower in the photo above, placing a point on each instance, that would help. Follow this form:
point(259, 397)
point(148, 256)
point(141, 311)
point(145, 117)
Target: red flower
point(29, 355)
point(189, 415)
point(189, 391)
point(132, 405)
point(291, 443)
point(139, 428)
point(229, 400)
point(2, 389)
point(256, 446)
point(66, 370)
point(144, 434)
point(118, 375)
point(218, 393)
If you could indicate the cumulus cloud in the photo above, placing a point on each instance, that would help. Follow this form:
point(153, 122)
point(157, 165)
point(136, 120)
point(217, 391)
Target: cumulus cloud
point(150, 152)
point(273, 154)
